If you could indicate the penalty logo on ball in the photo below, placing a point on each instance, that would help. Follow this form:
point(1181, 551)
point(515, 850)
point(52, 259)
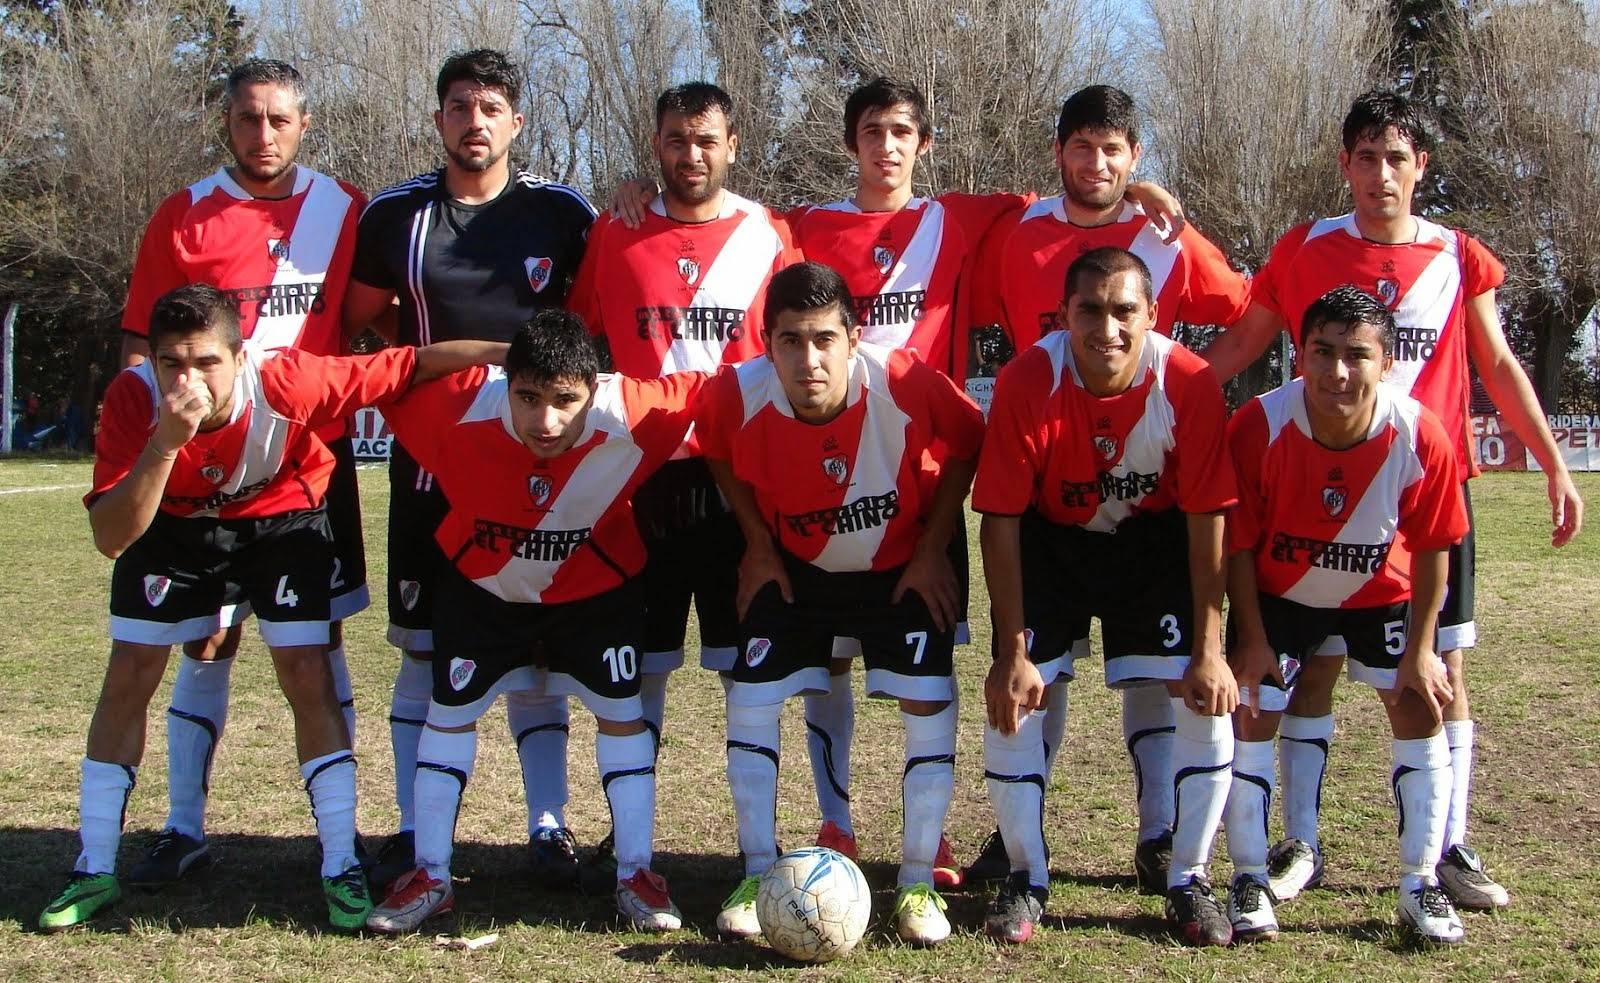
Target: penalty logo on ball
point(813, 905)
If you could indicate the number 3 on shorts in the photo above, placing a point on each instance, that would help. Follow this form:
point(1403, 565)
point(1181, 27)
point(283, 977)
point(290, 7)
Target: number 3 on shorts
point(623, 662)
point(284, 597)
point(1169, 625)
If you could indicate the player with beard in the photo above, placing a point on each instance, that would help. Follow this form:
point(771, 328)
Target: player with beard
point(471, 250)
point(1022, 262)
point(277, 238)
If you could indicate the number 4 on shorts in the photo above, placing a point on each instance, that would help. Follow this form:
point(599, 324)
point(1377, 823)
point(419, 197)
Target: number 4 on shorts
point(284, 596)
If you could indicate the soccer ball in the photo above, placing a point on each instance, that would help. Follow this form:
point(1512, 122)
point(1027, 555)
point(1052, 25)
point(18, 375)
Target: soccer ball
point(813, 905)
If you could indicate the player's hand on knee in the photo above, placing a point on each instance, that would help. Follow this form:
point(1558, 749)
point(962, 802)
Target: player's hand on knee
point(185, 406)
point(758, 568)
point(1012, 688)
point(1424, 673)
point(1252, 662)
point(930, 574)
point(1209, 688)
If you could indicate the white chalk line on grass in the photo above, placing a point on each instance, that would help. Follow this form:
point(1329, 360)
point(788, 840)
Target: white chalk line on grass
point(43, 488)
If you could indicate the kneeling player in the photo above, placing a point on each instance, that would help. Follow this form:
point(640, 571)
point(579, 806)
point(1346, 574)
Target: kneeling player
point(1102, 487)
point(208, 490)
point(1348, 503)
point(846, 465)
point(539, 463)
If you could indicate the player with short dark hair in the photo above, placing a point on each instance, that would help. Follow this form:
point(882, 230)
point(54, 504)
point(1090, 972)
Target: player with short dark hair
point(1102, 487)
point(209, 490)
point(1440, 283)
point(539, 462)
point(1348, 502)
point(471, 250)
point(277, 238)
point(846, 534)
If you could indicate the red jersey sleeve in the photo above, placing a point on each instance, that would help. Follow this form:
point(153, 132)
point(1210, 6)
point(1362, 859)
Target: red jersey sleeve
point(719, 415)
point(1205, 474)
point(127, 418)
point(155, 267)
point(584, 297)
point(984, 305)
point(976, 214)
point(1265, 284)
point(424, 417)
point(1247, 446)
point(957, 421)
point(319, 390)
point(1433, 514)
point(1481, 270)
point(1213, 291)
point(661, 410)
point(1013, 457)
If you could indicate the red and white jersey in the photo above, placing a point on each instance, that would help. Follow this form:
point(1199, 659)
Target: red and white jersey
point(851, 494)
point(672, 296)
point(542, 530)
point(284, 261)
point(1337, 528)
point(267, 459)
point(1426, 283)
point(905, 268)
point(1192, 279)
point(1094, 461)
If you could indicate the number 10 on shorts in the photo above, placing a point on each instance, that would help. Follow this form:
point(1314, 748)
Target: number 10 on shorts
point(623, 662)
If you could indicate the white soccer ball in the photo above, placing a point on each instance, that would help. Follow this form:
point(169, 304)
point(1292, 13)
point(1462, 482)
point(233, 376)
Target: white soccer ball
point(813, 905)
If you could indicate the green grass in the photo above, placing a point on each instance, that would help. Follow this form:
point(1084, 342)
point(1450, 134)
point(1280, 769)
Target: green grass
point(256, 914)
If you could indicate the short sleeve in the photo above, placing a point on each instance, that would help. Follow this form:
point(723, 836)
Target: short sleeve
point(1213, 291)
point(1481, 270)
point(661, 411)
point(1267, 282)
point(369, 265)
point(127, 418)
point(957, 421)
point(1205, 473)
point(1247, 448)
point(584, 298)
point(155, 268)
point(718, 416)
point(984, 304)
point(1011, 464)
point(320, 390)
point(423, 418)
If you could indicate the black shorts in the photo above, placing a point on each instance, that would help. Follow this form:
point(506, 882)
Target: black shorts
point(1135, 580)
point(694, 547)
point(961, 564)
point(1374, 637)
point(786, 647)
point(183, 579)
point(1457, 627)
point(588, 648)
point(349, 579)
point(416, 507)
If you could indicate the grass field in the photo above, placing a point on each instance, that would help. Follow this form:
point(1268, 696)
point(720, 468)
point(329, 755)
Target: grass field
point(257, 913)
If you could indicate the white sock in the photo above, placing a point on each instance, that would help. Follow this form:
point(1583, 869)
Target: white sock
point(753, 746)
point(103, 790)
point(1202, 750)
point(830, 727)
point(539, 724)
point(408, 711)
point(444, 766)
point(1147, 724)
point(340, 670)
point(1249, 805)
point(1302, 763)
point(1458, 733)
point(1054, 728)
point(926, 790)
point(1014, 769)
point(331, 785)
point(1421, 784)
point(195, 722)
point(653, 694)
point(628, 776)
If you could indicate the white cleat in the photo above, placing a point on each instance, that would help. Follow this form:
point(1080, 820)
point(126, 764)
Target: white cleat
point(414, 899)
point(1250, 910)
point(1427, 911)
point(738, 920)
point(643, 900)
point(919, 916)
point(1292, 867)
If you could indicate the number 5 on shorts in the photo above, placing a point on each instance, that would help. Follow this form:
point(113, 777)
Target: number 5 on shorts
point(1394, 637)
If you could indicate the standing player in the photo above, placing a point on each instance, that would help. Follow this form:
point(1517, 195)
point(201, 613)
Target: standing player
point(277, 238)
point(846, 533)
point(1097, 150)
point(539, 463)
point(469, 251)
point(209, 485)
point(1440, 283)
point(683, 290)
point(1348, 502)
point(1102, 486)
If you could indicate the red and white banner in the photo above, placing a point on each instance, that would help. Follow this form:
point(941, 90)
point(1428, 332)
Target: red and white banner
point(1577, 436)
point(371, 439)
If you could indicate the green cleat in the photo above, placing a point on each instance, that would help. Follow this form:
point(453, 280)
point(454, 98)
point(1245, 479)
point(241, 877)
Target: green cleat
point(85, 895)
point(349, 901)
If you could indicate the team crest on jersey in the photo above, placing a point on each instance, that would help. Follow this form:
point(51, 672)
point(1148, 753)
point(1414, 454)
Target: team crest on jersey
point(461, 671)
point(539, 269)
point(689, 269)
point(278, 249)
point(1388, 291)
point(1106, 446)
point(756, 652)
point(213, 473)
point(539, 489)
point(1333, 499)
point(155, 589)
point(883, 259)
point(410, 590)
point(836, 467)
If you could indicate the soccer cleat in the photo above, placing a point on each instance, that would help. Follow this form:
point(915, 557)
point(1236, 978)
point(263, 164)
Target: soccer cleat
point(416, 897)
point(597, 876)
point(85, 895)
point(991, 863)
point(1195, 914)
point(396, 858)
point(946, 875)
point(172, 855)
point(1427, 911)
point(834, 838)
point(349, 900)
point(1293, 866)
point(1151, 859)
point(643, 901)
point(919, 916)
point(1462, 876)
point(737, 919)
point(555, 857)
point(1016, 911)
point(1250, 910)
